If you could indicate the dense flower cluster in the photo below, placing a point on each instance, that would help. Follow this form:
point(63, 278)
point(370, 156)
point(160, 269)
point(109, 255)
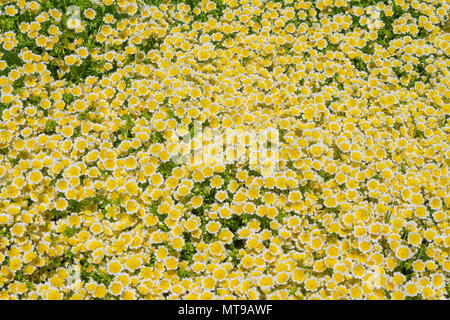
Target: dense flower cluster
point(94, 101)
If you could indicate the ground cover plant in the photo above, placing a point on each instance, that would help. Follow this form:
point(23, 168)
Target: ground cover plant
point(99, 105)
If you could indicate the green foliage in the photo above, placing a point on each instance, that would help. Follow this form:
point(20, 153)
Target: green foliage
point(325, 175)
point(183, 274)
point(102, 277)
point(152, 261)
point(89, 271)
point(56, 214)
point(50, 126)
point(153, 2)
point(4, 232)
point(166, 168)
point(281, 216)
point(364, 3)
point(77, 132)
point(293, 290)
point(3, 106)
point(126, 129)
point(70, 231)
point(406, 269)
point(68, 98)
point(157, 137)
point(305, 188)
point(14, 162)
point(234, 223)
point(360, 64)
point(163, 227)
point(418, 134)
point(234, 257)
point(264, 222)
point(187, 252)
